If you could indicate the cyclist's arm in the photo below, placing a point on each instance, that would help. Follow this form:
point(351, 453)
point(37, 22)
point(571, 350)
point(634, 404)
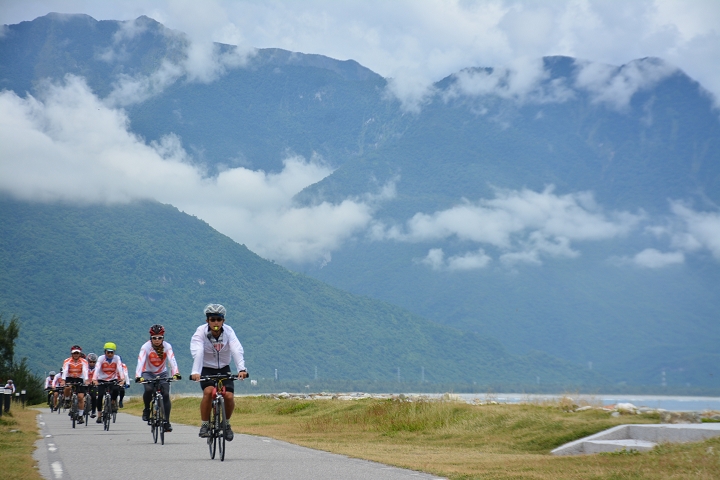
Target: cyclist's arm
point(174, 370)
point(197, 349)
point(142, 358)
point(236, 349)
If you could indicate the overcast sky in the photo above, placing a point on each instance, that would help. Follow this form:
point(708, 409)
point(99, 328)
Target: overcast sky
point(414, 42)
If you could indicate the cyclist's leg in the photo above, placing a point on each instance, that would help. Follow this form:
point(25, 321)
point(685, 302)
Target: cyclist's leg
point(229, 404)
point(165, 390)
point(147, 395)
point(93, 400)
point(100, 396)
point(206, 404)
point(114, 392)
point(122, 395)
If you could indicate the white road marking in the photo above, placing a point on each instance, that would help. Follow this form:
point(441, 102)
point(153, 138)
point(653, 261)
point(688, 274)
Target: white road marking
point(57, 469)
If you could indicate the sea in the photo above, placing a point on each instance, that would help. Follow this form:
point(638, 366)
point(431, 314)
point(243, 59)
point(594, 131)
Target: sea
point(670, 403)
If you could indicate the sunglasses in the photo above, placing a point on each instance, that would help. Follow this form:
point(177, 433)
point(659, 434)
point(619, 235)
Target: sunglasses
point(157, 337)
point(215, 319)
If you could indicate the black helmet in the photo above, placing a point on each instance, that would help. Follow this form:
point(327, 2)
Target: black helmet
point(157, 329)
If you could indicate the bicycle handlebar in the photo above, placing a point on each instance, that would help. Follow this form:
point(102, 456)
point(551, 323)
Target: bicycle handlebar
point(160, 379)
point(222, 376)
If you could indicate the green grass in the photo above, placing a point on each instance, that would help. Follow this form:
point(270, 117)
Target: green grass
point(461, 441)
point(18, 433)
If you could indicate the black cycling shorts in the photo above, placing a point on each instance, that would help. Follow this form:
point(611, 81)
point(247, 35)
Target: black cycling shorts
point(81, 387)
point(228, 384)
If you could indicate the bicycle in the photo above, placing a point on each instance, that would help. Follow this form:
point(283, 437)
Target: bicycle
point(216, 440)
point(108, 412)
point(92, 390)
point(61, 407)
point(74, 405)
point(157, 409)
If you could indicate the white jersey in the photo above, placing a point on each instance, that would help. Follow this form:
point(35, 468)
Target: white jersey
point(212, 353)
point(149, 361)
point(106, 369)
point(49, 381)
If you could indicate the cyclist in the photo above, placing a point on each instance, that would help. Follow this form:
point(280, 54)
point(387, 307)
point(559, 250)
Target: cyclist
point(49, 388)
point(125, 385)
point(154, 357)
point(75, 371)
point(212, 345)
point(92, 389)
point(57, 383)
point(109, 368)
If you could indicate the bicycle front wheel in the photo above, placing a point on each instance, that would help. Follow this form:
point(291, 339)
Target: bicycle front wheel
point(212, 439)
point(221, 427)
point(107, 412)
point(161, 419)
point(153, 421)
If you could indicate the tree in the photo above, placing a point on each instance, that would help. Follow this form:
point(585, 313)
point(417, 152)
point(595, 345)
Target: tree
point(23, 378)
point(8, 335)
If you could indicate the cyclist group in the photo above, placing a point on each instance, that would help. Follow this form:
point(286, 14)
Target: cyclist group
point(213, 346)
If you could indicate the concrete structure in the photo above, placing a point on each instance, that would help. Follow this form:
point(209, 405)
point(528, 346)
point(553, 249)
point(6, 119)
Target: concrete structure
point(639, 437)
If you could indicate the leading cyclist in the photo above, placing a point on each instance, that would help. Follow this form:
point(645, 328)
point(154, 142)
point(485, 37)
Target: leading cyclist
point(211, 346)
point(154, 356)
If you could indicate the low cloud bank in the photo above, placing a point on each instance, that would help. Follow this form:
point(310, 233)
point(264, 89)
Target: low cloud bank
point(69, 146)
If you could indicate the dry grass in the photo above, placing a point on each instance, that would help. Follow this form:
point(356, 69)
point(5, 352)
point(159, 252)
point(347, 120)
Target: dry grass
point(461, 441)
point(18, 434)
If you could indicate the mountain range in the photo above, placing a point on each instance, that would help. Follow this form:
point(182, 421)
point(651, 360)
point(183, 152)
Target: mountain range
point(575, 215)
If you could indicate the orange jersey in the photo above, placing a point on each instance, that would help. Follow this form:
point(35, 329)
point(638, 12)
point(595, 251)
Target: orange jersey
point(75, 369)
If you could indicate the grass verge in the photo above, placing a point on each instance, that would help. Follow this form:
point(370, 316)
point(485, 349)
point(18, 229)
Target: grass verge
point(460, 441)
point(18, 434)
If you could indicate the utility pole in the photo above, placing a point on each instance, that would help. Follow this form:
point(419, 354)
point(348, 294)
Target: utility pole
point(276, 375)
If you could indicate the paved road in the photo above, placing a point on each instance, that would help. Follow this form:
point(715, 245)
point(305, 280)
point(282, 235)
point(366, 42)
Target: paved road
point(127, 451)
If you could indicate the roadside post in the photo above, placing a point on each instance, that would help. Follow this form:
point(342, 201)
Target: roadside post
point(2, 400)
point(22, 397)
point(8, 398)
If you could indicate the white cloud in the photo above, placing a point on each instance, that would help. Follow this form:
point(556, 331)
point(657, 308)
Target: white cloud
point(69, 146)
point(200, 60)
point(525, 225)
point(652, 258)
point(700, 230)
point(435, 259)
point(616, 86)
point(418, 42)
point(526, 80)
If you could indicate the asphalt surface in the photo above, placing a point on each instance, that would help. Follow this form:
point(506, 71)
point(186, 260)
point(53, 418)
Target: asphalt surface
point(127, 451)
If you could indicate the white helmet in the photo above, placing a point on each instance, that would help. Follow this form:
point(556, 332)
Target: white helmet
point(214, 310)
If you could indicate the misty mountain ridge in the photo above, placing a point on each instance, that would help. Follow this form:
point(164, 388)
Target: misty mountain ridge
point(568, 207)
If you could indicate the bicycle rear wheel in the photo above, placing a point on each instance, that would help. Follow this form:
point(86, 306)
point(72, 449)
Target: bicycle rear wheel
point(86, 411)
point(107, 412)
point(221, 428)
point(74, 409)
point(61, 403)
